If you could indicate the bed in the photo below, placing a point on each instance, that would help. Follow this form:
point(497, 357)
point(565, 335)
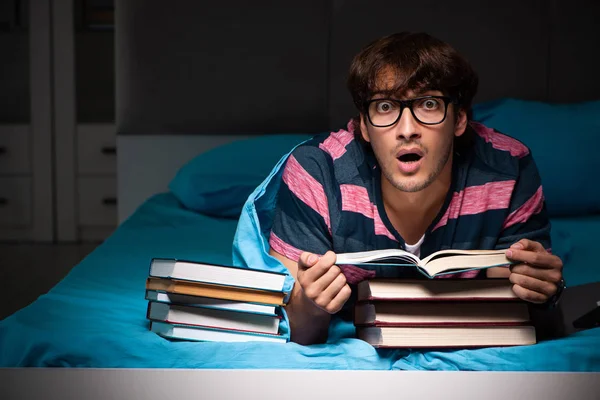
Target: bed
point(96, 316)
point(94, 320)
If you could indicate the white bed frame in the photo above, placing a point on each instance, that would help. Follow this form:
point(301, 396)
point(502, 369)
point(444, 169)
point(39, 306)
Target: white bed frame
point(181, 384)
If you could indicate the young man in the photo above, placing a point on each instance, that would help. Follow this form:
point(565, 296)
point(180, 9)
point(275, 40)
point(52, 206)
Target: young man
point(414, 172)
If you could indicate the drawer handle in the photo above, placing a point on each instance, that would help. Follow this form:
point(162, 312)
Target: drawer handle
point(3, 150)
point(109, 201)
point(109, 150)
point(3, 201)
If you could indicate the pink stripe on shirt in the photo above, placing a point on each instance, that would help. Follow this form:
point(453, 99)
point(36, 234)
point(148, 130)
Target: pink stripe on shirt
point(356, 199)
point(283, 248)
point(531, 207)
point(478, 199)
point(460, 275)
point(336, 143)
point(306, 188)
point(500, 141)
point(356, 274)
point(380, 228)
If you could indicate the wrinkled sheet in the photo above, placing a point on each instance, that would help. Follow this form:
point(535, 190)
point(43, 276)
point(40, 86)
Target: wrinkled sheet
point(96, 316)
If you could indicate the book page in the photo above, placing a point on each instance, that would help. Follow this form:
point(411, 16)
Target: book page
point(451, 252)
point(463, 262)
point(382, 256)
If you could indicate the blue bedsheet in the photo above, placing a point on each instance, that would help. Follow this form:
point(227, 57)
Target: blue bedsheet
point(96, 316)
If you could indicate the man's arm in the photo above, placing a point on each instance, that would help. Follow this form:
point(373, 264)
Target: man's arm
point(320, 290)
point(526, 234)
point(302, 224)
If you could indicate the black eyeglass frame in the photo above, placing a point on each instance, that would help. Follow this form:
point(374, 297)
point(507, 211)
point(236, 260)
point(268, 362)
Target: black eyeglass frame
point(409, 103)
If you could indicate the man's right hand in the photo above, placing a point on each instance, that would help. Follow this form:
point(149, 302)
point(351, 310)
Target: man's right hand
point(322, 282)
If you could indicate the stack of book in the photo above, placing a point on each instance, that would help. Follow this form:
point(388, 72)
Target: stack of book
point(439, 313)
point(207, 302)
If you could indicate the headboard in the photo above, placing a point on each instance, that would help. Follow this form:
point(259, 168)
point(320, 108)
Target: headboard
point(190, 76)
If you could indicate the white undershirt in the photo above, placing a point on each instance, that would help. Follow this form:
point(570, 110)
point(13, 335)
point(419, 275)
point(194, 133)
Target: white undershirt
point(415, 248)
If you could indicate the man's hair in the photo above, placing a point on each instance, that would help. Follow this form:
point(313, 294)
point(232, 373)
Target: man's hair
point(418, 62)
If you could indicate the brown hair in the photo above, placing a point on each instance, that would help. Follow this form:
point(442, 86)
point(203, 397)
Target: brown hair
point(418, 62)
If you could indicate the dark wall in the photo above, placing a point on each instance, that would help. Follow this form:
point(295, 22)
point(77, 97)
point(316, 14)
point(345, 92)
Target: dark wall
point(269, 66)
point(272, 66)
point(236, 66)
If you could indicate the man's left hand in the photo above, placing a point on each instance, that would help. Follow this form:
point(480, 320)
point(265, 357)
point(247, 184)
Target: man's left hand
point(536, 276)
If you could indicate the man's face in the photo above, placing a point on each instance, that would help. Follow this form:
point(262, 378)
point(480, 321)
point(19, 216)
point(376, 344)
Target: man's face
point(412, 155)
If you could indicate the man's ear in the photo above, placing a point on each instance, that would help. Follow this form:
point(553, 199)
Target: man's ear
point(461, 123)
point(363, 128)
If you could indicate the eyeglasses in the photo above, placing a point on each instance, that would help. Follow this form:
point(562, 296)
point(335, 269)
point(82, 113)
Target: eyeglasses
point(428, 110)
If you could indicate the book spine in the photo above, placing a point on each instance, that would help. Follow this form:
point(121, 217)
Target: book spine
point(194, 282)
point(208, 306)
point(215, 291)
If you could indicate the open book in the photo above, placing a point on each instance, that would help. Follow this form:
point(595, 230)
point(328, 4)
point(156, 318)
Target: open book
point(439, 263)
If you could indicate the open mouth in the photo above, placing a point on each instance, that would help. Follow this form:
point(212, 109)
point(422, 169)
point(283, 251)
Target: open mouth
point(410, 157)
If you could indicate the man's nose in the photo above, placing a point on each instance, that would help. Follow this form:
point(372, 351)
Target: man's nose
point(407, 127)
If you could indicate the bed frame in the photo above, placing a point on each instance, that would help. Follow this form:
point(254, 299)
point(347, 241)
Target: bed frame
point(181, 384)
point(190, 77)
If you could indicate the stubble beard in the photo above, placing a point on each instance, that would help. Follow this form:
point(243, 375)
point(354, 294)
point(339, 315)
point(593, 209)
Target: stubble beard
point(412, 187)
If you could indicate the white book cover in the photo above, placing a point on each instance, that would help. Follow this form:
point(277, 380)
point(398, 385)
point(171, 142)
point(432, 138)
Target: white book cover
point(216, 274)
point(182, 332)
point(213, 318)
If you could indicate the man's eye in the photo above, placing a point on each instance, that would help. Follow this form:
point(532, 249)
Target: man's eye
point(430, 104)
point(384, 107)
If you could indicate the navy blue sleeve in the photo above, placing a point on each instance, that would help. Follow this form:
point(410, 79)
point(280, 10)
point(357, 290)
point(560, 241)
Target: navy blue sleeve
point(527, 216)
point(302, 217)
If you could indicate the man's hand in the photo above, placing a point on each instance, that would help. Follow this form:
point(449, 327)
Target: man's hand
point(536, 277)
point(323, 282)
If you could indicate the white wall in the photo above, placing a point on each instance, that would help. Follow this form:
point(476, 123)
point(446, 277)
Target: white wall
point(147, 163)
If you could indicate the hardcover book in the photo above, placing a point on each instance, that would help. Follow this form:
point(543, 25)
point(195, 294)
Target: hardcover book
point(439, 263)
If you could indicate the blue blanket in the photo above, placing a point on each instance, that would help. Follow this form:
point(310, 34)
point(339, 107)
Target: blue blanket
point(96, 316)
